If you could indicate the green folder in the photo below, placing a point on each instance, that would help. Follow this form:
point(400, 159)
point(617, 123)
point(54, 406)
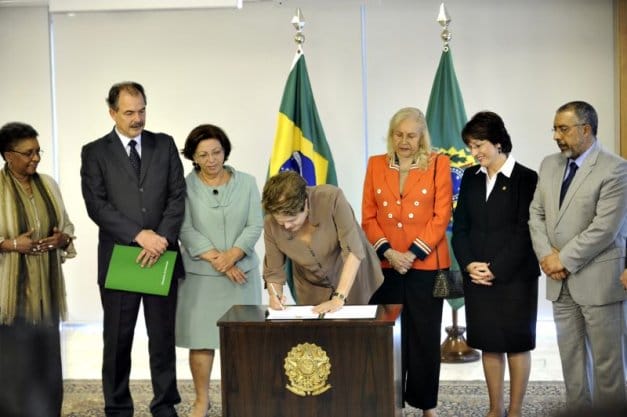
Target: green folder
point(127, 275)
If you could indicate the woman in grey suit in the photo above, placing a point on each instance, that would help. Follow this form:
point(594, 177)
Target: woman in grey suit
point(492, 244)
point(221, 226)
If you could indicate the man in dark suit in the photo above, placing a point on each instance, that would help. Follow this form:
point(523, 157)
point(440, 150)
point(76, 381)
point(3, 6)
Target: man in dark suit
point(578, 225)
point(134, 190)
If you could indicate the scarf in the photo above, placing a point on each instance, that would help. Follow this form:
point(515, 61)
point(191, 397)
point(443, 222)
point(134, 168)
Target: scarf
point(32, 286)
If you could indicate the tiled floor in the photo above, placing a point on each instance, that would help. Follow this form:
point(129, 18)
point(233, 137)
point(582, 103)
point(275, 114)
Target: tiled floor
point(82, 353)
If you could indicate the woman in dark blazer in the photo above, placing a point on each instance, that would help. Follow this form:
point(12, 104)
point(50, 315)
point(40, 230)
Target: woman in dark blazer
point(492, 244)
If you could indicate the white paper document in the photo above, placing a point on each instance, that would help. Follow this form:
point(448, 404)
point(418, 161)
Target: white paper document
point(306, 313)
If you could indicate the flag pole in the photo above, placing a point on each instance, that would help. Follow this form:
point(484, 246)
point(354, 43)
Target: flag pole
point(454, 349)
point(300, 144)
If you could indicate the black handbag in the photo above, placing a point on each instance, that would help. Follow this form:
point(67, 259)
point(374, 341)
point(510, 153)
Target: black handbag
point(448, 284)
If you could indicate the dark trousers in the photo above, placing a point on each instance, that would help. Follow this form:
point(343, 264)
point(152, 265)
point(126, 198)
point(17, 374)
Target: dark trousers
point(30, 370)
point(421, 322)
point(121, 309)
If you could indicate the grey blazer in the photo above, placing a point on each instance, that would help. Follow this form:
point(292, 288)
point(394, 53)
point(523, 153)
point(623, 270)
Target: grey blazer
point(589, 229)
point(122, 205)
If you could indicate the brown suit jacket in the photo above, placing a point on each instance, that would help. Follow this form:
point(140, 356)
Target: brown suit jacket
point(316, 266)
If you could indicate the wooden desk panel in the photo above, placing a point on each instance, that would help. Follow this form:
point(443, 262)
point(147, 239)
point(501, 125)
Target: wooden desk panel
point(364, 357)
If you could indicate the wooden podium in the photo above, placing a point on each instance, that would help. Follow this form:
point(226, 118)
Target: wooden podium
point(310, 368)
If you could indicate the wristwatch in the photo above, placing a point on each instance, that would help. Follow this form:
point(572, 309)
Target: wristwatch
point(341, 296)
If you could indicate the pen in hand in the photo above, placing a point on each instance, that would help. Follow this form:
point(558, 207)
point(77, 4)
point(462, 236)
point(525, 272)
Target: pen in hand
point(277, 296)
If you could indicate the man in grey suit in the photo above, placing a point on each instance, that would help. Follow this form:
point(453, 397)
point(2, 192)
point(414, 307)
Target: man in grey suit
point(134, 190)
point(578, 229)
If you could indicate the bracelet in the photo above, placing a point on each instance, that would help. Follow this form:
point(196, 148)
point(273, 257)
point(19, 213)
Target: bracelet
point(341, 296)
point(68, 240)
point(14, 244)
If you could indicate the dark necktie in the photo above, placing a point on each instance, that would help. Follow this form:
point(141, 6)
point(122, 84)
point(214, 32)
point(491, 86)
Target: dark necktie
point(136, 162)
point(571, 174)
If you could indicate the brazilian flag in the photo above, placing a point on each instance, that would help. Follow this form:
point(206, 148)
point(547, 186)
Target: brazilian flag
point(300, 144)
point(446, 117)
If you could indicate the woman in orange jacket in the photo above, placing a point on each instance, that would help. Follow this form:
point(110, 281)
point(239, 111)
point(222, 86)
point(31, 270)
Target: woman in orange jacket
point(406, 208)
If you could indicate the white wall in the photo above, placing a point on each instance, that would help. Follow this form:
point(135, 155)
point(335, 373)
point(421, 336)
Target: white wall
point(228, 67)
point(25, 74)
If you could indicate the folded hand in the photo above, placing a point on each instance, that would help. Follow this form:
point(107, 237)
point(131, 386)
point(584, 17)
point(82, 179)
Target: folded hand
point(480, 273)
point(236, 275)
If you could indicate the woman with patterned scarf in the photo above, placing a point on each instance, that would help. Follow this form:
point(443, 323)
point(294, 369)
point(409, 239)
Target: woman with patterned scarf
point(35, 238)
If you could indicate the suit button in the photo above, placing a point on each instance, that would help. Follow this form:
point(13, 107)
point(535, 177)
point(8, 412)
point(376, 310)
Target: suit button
point(416, 203)
point(411, 215)
point(141, 190)
point(389, 215)
point(143, 210)
point(385, 204)
point(399, 225)
point(398, 202)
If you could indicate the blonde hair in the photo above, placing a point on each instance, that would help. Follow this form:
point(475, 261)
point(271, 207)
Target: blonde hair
point(284, 194)
point(424, 142)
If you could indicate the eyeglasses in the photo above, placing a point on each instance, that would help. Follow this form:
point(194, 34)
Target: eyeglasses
point(30, 154)
point(563, 129)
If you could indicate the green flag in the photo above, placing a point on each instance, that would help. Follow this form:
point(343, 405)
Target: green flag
point(299, 143)
point(446, 117)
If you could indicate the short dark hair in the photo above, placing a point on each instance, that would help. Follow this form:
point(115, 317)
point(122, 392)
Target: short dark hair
point(584, 111)
point(130, 87)
point(204, 132)
point(14, 132)
point(487, 125)
point(284, 194)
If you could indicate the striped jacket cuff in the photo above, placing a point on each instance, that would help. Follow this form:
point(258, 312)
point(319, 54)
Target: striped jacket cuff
point(420, 249)
point(380, 246)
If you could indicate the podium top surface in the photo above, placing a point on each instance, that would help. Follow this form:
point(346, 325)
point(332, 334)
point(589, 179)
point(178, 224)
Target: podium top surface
point(255, 315)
